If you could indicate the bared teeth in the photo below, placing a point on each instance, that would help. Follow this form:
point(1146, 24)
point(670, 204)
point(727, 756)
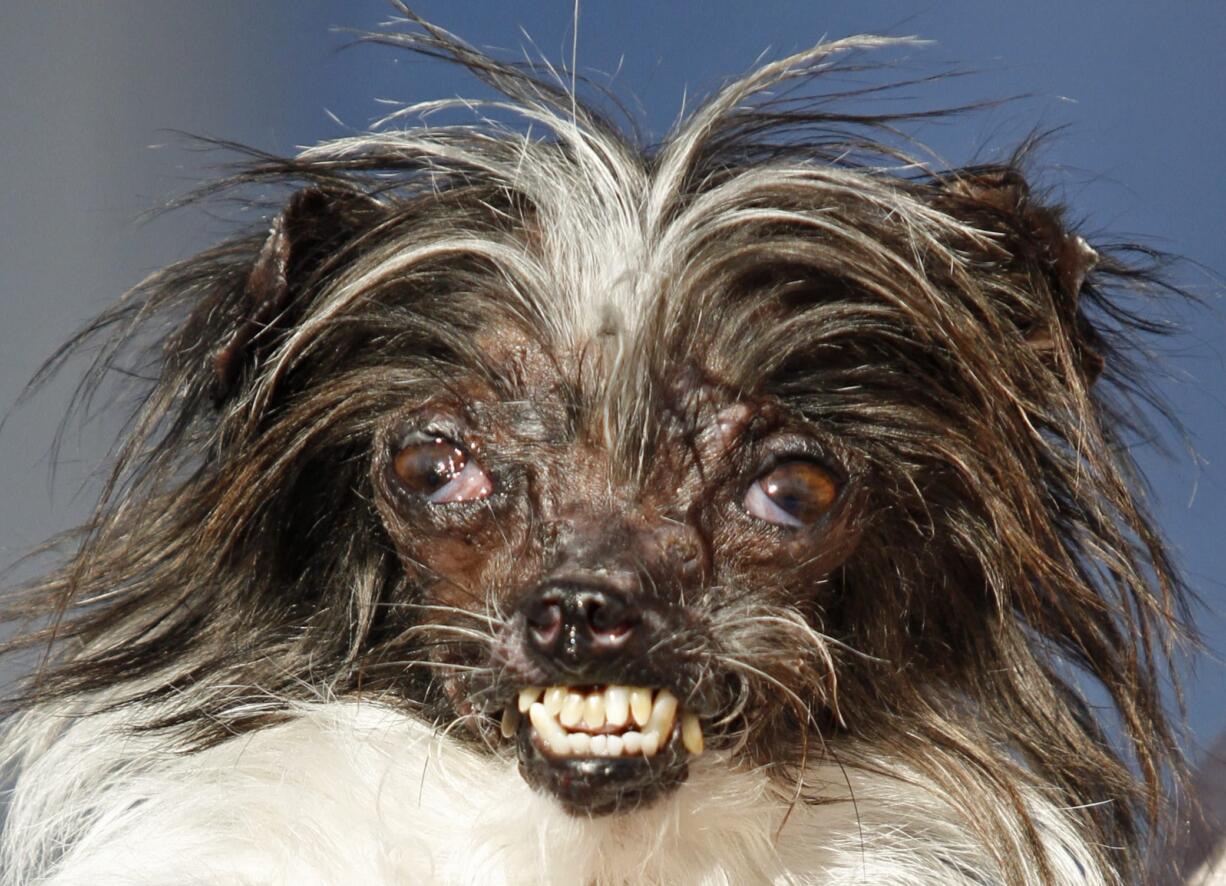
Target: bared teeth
point(651, 744)
point(662, 713)
point(592, 724)
point(510, 721)
point(572, 710)
point(527, 696)
point(593, 710)
point(617, 705)
point(640, 705)
point(548, 729)
point(691, 733)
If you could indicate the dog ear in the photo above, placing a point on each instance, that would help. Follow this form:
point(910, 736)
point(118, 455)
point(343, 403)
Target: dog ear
point(1038, 245)
point(314, 227)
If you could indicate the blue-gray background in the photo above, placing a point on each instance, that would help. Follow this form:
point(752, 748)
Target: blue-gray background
point(91, 92)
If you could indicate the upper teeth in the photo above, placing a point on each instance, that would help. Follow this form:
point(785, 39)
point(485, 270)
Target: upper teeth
point(565, 719)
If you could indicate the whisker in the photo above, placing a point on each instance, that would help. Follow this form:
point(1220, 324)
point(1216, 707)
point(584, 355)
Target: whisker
point(454, 610)
point(442, 628)
point(736, 664)
point(424, 663)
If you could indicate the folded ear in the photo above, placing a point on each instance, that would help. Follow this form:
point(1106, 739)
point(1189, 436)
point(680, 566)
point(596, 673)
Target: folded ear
point(303, 241)
point(1038, 247)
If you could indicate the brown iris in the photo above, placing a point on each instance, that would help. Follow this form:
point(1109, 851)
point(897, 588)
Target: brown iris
point(428, 466)
point(440, 470)
point(793, 493)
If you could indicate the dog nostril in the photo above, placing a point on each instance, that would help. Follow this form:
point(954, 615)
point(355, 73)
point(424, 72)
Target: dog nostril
point(609, 617)
point(544, 619)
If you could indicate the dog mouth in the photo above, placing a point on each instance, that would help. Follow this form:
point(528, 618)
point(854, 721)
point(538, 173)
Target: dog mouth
point(602, 748)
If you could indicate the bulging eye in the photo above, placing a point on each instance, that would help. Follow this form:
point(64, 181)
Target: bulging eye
point(441, 471)
point(792, 493)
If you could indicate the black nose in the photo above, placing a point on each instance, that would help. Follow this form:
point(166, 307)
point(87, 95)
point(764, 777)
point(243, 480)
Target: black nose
point(578, 623)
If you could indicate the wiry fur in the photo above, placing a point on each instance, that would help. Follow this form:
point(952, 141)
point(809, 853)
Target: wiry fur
point(900, 701)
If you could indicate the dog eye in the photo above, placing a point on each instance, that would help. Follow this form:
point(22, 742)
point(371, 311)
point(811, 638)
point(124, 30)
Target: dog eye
point(442, 471)
point(793, 493)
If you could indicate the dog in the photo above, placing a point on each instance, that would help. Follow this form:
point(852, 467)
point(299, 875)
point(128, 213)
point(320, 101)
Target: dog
point(530, 506)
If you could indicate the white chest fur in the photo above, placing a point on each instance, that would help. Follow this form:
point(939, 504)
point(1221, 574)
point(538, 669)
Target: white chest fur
point(350, 793)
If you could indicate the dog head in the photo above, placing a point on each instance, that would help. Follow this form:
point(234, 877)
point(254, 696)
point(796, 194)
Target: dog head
point(751, 446)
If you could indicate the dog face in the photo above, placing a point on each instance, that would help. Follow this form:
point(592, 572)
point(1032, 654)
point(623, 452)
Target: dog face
point(619, 608)
point(639, 508)
point(748, 450)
